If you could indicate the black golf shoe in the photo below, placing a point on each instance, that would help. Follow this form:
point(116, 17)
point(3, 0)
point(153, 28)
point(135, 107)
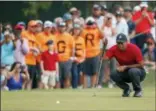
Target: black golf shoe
point(126, 93)
point(137, 94)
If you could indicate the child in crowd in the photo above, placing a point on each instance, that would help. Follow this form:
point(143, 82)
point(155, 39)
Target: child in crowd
point(49, 66)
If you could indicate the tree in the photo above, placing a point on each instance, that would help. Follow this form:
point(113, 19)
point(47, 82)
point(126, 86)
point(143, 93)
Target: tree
point(34, 7)
point(67, 4)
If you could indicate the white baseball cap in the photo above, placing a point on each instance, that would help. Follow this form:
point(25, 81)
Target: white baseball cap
point(58, 20)
point(39, 22)
point(73, 9)
point(97, 6)
point(109, 15)
point(137, 8)
point(144, 4)
point(48, 24)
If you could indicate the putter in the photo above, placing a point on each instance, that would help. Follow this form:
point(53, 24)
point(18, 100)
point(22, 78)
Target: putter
point(101, 61)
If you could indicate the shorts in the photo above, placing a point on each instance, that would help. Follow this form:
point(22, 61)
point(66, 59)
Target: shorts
point(91, 65)
point(57, 78)
point(49, 78)
point(65, 69)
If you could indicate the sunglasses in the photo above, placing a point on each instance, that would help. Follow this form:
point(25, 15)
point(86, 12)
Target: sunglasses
point(96, 9)
point(149, 43)
point(34, 26)
point(120, 43)
point(109, 18)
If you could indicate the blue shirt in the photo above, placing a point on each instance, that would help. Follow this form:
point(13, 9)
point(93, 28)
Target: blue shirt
point(15, 85)
point(1, 37)
point(7, 53)
point(131, 26)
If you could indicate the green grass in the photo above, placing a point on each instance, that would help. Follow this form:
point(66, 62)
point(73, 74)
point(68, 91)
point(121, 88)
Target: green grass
point(105, 99)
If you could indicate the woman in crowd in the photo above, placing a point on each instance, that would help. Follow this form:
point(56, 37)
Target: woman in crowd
point(7, 50)
point(3, 73)
point(79, 55)
point(150, 54)
point(17, 77)
point(109, 36)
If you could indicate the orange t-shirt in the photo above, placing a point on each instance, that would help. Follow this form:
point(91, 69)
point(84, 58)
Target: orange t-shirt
point(64, 45)
point(79, 48)
point(92, 38)
point(30, 58)
point(42, 38)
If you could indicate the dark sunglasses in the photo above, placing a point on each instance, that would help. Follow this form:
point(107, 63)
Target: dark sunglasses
point(109, 18)
point(120, 43)
point(34, 26)
point(148, 43)
point(96, 9)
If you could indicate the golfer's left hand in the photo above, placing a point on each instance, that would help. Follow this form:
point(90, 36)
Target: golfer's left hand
point(121, 68)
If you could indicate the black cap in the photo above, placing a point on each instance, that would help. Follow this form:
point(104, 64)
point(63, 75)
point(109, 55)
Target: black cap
point(104, 7)
point(128, 9)
point(90, 23)
point(49, 42)
point(118, 13)
point(96, 6)
point(121, 38)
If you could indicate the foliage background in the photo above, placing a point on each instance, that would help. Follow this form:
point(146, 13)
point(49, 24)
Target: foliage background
point(26, 10)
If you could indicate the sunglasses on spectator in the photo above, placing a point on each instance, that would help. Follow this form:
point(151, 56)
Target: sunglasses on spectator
point(109, 18)
point(149, 43)
point(34, 26)
point(96, 9)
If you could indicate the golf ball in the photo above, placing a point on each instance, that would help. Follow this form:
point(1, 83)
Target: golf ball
point(57, 102)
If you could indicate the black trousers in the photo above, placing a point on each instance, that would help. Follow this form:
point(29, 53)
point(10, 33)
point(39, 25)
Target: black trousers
point(140, 40)
point(132, 75)
point(33, 75)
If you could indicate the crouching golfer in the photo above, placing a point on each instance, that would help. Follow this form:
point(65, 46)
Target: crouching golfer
point(130, 69)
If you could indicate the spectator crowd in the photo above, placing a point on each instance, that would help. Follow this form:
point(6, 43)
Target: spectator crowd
point(66, 53)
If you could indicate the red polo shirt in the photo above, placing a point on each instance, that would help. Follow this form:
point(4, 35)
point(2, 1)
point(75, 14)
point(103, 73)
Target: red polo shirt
point(49, 60)
point(132, 55)
point(144, 24)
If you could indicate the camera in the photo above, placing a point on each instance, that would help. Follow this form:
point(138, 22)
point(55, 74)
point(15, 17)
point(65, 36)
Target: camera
point(23, 68)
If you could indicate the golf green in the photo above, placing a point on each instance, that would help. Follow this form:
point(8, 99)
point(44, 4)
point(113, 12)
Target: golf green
point(80, 99)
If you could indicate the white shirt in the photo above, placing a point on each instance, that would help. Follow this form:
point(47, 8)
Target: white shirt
point(114, 21)
point(153, 30)
point(99, 21)
point(109, 36)
point(20, 50)
point(122, 27)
